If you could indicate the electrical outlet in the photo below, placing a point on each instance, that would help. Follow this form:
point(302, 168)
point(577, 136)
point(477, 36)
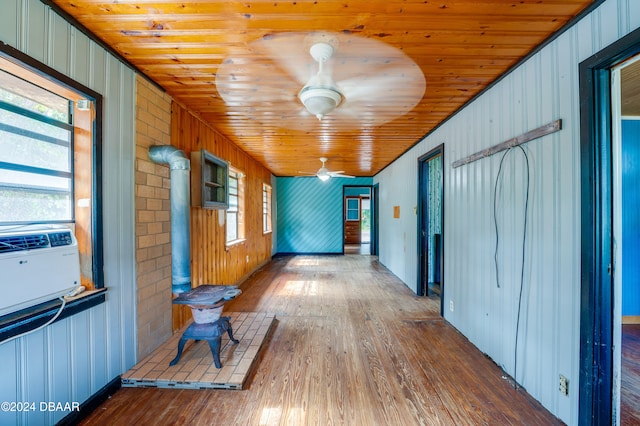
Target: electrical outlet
point(564, 385)
point(451, 305)
point(247, 258)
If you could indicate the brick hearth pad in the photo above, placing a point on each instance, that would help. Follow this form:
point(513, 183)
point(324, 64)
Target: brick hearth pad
point(196, 370)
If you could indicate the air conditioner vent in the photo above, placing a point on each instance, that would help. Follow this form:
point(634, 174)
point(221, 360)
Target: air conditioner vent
point(23, 242)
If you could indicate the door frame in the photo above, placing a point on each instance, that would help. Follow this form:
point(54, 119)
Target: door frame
point(375, 225)
point(371, 209)
point(597, 260)
point(423, 251)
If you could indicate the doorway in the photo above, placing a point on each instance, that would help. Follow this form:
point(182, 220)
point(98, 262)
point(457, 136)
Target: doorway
point(375, 236)
point(603, 195)
point(431, 223)
point(625, 95)
point(357, 219)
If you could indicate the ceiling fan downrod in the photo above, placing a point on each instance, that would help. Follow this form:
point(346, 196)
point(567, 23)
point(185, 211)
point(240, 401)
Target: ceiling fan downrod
point(320, 95)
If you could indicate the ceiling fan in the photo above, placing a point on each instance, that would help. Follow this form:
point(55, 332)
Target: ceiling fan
point(325, 174)
point(345, 80)
point(320, 95)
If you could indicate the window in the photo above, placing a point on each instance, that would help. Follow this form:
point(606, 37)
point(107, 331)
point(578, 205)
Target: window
point(209, 175)
point(353, 209)
point(36, 154)
point(49, 156)
point(50, 168)
point(266, 208)
point(235, 212)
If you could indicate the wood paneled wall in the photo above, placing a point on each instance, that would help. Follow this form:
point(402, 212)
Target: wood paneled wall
point(212, 261)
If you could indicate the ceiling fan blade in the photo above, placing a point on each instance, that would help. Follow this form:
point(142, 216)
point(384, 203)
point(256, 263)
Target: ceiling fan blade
point(384, 81)
point(286, 52)
point(367, 97)
point(239, 84)
point(339, 174)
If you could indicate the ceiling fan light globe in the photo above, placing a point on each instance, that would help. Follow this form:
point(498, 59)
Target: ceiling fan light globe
point(323, 173)
point(319, 101)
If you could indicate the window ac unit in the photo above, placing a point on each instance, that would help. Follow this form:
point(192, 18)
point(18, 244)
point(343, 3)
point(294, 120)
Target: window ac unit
point(37, 264)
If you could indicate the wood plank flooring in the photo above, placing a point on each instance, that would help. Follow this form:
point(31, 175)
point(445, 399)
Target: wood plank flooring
point(630, 378)
point(352, 346)
point(364, 248)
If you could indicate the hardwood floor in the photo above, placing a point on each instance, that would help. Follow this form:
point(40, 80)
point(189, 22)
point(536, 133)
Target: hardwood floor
point(364, 248)
point(353, 346)
point(630, 386)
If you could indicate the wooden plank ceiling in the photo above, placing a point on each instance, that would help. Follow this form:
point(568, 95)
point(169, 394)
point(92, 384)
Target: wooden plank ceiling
point(241, 64)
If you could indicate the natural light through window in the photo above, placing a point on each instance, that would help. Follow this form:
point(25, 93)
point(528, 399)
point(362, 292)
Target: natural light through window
point(271, 416)
point(235, 212)
point(266, 208)
point(299, 288)
point(50, 158)
point(36, 154)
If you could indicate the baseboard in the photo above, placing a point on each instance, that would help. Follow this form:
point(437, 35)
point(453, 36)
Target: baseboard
point(252, 272)
point(631, 319)
point(92, 403)
point(293, 253)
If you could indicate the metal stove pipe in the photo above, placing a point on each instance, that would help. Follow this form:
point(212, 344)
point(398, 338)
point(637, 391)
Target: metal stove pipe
point(180, 212)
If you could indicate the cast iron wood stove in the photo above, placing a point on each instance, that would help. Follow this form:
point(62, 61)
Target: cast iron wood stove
point(206, 302)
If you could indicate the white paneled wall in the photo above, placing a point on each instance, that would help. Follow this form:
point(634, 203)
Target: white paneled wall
point(543, 89)
point(74, 358)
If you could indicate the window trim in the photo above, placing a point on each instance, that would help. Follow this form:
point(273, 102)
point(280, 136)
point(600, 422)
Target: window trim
point(267, 208)
point(240, 231)
point(205, 170)
point(350, 209)
point(46, 77)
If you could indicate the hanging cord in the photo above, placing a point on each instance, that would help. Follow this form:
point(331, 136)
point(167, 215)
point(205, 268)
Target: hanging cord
point(55, 317)
point(495, 216)
point(524, 241)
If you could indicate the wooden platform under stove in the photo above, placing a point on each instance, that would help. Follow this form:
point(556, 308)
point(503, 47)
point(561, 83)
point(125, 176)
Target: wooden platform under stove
point(196, 370)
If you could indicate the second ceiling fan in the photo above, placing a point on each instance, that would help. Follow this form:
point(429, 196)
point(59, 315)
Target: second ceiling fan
point(325, 174)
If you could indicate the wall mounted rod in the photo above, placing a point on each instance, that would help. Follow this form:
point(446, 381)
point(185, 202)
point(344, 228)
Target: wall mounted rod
point(541, 131)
